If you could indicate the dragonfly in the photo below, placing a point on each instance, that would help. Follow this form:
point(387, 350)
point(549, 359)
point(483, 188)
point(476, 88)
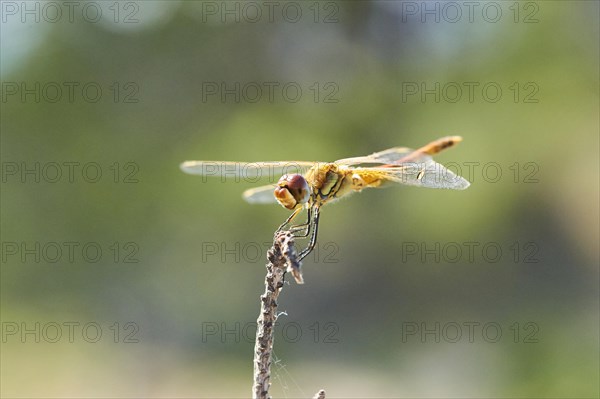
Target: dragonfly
point(319, 183)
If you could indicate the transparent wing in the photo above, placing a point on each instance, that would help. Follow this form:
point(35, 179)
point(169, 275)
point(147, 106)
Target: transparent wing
point(252, 171)
point(428, 174)
point(390, 155)
point(260, 195)
point(397, 155)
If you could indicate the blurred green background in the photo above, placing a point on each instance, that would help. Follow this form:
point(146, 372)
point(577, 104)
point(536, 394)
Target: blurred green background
point(183, 257)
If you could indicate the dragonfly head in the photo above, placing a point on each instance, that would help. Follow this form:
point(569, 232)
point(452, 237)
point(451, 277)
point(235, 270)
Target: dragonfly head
point(292, 191)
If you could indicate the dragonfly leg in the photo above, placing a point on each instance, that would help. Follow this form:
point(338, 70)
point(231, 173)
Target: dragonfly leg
point(303, 227)
point(288, 220)
point(313, 237)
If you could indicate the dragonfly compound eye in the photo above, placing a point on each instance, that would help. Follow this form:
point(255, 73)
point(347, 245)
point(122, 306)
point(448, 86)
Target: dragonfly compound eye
point(292, 190)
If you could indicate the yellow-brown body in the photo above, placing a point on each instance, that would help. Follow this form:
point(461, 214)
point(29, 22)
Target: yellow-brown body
point(330, 181)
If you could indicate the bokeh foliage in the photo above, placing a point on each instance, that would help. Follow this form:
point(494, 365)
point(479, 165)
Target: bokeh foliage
point(370, 53)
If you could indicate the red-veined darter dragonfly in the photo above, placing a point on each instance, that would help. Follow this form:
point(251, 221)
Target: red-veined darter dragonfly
point(320, 183)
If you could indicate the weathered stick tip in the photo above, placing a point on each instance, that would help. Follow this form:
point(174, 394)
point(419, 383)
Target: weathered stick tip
point(285, 240)
point(282, 258)
point(320, 394)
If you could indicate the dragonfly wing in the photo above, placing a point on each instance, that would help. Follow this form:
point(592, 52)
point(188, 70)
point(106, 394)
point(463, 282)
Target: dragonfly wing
point(397, 155)
point(260, 195)
point(252, 171)
point(390, 155)
point(428, 174)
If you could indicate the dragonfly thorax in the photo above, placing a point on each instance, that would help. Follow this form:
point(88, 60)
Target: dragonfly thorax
point(292, 191)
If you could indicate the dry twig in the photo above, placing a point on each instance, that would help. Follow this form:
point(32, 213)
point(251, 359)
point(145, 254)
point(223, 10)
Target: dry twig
point(282, 258)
